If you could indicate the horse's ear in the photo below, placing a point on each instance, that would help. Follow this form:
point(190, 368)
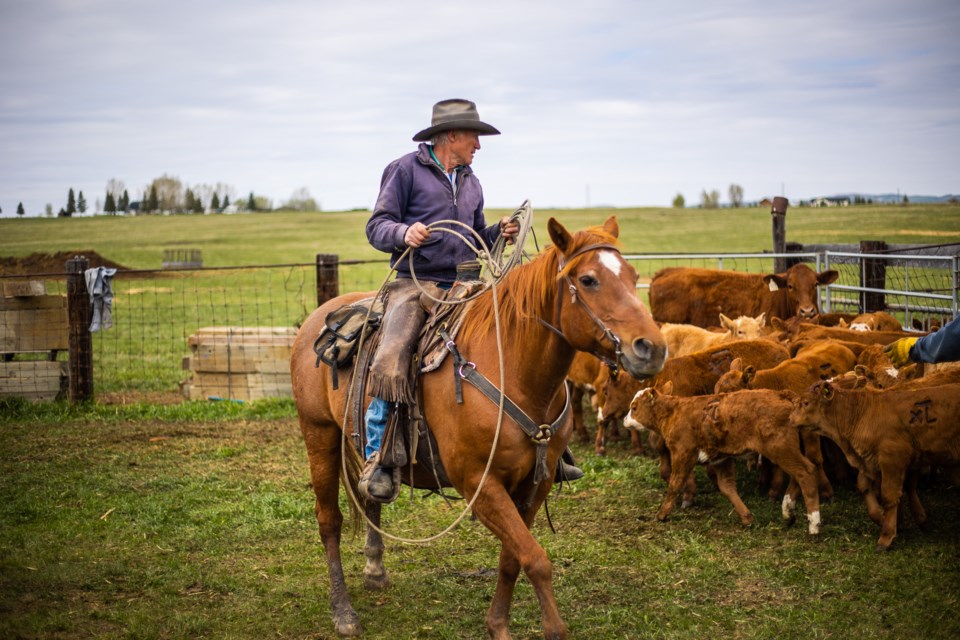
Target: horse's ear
point(612, 227)
point(560, 236)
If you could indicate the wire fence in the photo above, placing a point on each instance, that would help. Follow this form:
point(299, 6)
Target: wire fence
point(226, 332)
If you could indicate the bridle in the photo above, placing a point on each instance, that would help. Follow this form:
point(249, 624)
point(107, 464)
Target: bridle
point(613, 365)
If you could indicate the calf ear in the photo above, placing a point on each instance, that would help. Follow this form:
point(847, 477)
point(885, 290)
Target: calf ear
point(748, 374)
point(762, 319)
point(826, 277)
point(774, 281)
point(826, 391)
point(559, 234)
point(668, 388)
point(612, 227)
point(726, 322)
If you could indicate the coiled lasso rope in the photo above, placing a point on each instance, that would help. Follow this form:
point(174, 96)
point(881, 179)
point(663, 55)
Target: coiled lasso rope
point(497, 268)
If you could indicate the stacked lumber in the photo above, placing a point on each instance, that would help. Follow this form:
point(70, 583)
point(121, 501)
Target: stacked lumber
point(33, 329)
point(239, 363)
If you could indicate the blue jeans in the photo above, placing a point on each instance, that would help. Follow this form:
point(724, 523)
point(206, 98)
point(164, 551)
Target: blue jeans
point(376, 419)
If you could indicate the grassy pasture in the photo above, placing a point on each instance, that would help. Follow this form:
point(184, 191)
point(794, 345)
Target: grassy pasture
point(195, 520)
point(282, 238)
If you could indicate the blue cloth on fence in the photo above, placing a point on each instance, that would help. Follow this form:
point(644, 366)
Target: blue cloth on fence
point(101, 297)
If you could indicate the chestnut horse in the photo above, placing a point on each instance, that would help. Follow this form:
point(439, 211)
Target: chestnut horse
point(578, 294)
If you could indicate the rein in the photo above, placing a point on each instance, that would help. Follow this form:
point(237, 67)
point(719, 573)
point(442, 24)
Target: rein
point(613, 365)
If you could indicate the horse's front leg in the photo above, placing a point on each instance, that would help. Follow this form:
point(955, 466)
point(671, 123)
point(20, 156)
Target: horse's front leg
point(374, 573)
point(495, 509)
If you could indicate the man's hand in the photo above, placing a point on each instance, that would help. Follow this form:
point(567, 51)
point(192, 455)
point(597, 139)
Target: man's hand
point(416, 235)
point(899, 351)
point(509, 229)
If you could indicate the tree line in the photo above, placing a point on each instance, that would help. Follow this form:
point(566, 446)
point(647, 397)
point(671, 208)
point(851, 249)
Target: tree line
point(167, 194)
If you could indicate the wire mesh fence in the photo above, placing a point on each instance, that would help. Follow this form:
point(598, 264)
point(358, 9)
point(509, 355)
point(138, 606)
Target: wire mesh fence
point(226, 332)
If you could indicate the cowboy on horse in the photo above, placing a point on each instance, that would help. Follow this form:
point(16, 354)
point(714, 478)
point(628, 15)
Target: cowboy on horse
point(431, 185)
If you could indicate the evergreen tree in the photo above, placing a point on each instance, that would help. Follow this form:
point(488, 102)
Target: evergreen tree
point(124, 203)
point(71, 204)
point(251, 203)
point(189, 201)
point(20, 210)
point(81, 202)
point(226, 201)
point(152, 203)
point(215, 203)
point(109, 205)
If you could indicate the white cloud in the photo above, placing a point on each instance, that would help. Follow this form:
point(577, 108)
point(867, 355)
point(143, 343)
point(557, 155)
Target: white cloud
point(614, 102)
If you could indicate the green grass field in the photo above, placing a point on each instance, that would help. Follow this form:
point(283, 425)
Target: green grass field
point(282, 238)
point(194, 520)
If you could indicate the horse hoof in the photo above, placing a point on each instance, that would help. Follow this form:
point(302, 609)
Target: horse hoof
point(686, 504)
point(375, 582)
point(747, 520)
point(348, 625)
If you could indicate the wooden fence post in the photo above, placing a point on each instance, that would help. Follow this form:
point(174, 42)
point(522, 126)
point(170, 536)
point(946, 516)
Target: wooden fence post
point(328, 277)
point(778, 213)
point(80, 341)
point(873, 274)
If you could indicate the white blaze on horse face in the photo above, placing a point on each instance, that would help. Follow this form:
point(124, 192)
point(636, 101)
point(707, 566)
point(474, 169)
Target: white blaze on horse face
point(611, 261)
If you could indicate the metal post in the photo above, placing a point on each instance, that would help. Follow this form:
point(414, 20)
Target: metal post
point(80, 363)
point(328, 277)
point(778, 212)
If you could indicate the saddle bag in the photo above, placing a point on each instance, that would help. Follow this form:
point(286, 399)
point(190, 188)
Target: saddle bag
point(337, 343)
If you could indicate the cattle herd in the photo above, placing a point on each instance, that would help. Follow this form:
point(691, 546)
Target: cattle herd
point(755, 370)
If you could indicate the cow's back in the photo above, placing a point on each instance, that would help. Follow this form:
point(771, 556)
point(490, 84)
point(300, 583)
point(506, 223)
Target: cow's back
point(688, 295)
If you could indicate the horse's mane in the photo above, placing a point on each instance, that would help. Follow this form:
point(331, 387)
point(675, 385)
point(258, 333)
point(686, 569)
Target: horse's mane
point(527, 291)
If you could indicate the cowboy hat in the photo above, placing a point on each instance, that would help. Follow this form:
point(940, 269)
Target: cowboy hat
point(455, 114)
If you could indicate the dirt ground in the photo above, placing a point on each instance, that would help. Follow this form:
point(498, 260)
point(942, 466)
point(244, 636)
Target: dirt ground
point(51, 263)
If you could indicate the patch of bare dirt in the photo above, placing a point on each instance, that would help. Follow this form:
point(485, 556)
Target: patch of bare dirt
point(52, 263)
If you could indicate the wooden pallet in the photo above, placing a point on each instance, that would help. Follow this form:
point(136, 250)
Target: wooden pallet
point(33, 328)
point(239, 363)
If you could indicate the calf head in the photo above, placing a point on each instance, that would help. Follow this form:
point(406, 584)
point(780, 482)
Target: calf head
point(642, 415)
point(808, 407)
point(744, 327)
point(800, 283)
point(739, 377)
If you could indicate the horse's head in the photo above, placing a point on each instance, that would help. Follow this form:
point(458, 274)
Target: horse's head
point(597, 306)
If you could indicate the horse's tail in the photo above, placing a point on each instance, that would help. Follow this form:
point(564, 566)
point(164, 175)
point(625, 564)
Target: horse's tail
point(350, 472)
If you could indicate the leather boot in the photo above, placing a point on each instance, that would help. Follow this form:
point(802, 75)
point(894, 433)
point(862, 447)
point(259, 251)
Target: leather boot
point(567, 469)
point(376, 482)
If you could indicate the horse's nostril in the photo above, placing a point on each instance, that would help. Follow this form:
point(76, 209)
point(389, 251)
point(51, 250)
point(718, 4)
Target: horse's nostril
point(643, 348)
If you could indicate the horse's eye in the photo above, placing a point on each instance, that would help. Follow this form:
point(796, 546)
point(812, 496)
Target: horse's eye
point(589, 281)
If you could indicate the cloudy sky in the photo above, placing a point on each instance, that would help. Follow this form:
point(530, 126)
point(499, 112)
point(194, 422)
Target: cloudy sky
point(608, 102)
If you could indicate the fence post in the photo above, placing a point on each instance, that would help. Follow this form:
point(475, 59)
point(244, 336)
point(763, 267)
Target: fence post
point(874, 276)
point(778, 211)
point(328, 277)
point(80, 341)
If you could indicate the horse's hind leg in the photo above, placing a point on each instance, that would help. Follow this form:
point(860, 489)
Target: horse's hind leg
point(374, 573)
point(323, 451)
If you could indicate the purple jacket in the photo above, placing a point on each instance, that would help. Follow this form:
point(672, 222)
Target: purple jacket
point(415, 189)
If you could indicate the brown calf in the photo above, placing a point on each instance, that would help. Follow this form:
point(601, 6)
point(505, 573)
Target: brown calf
point(712, 429)
point(884, 433)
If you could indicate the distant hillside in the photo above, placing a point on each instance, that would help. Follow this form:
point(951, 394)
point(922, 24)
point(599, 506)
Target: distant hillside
point(887, 198)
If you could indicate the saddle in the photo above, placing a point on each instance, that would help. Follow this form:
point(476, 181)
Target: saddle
point(401, 341)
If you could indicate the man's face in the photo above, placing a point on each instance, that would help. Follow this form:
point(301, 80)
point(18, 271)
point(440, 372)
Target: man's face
point(463, 144)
